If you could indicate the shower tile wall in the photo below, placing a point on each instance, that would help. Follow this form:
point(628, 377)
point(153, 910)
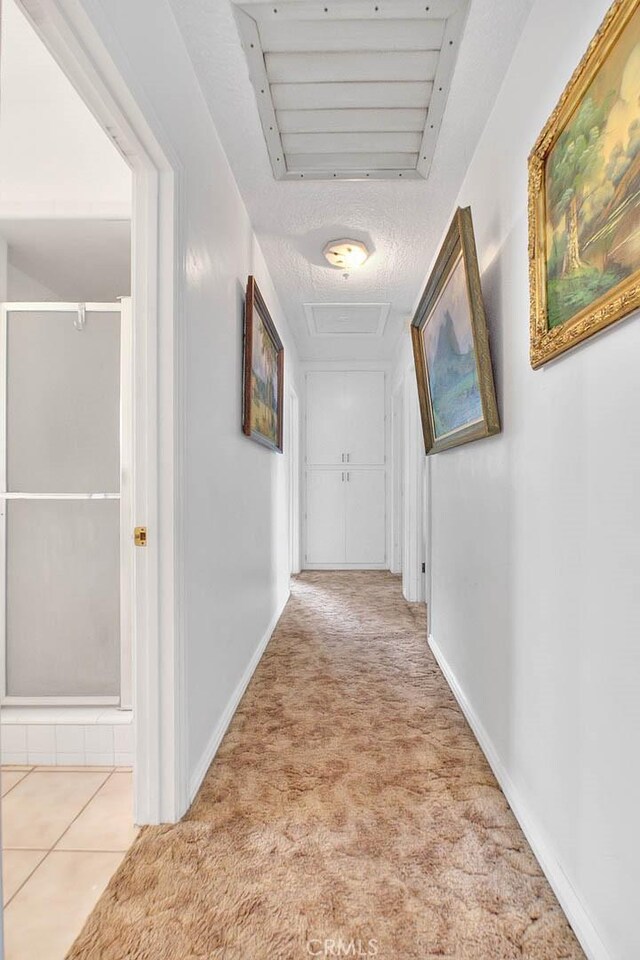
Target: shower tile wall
point(58, 740)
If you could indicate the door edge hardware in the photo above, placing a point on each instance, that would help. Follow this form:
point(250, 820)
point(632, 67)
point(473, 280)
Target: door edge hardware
point(140, 536)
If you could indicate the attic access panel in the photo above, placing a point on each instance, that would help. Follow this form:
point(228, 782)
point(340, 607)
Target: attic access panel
point(351, 89)
point(346, 319)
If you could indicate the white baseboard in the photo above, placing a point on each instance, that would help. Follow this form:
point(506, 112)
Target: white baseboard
point(345, 566)
point(568, 899)
point(220, 729)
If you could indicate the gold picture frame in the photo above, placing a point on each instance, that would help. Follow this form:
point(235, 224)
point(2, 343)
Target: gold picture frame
point(584, 274)
point(451, 347)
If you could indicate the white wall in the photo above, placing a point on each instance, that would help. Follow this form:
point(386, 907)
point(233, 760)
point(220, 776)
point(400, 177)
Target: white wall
point(535, 546)
point(76, 260)
point(236, 563)
point(22, 287)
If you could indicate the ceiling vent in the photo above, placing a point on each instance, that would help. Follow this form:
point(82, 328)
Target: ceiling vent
point(351, 89)
point(346, 319)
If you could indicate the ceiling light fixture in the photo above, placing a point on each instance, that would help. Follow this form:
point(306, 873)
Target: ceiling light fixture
point(346, 254)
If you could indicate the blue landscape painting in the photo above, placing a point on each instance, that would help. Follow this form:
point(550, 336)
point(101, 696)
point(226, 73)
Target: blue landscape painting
point(451, 360)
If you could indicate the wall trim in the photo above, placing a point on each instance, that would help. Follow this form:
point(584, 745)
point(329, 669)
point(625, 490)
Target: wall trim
point(568, 899)
point(413, 469)
point(346, 566)
point(209, 752)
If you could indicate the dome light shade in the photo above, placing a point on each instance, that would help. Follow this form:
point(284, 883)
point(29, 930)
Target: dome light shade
point(346, 254)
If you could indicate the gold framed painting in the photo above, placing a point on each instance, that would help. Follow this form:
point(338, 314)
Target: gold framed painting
point(584, 195)
point(263, 379)
point(451, 347)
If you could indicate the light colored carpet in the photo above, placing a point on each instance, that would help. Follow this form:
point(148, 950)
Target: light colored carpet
point(349, 803)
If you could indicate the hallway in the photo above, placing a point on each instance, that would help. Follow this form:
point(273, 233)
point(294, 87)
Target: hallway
point(348, 802)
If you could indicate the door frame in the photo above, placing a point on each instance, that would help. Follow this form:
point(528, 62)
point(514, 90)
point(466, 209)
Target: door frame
point(294, 481)
point(345, 366)
point(113, 94)
point(413, 577)
point(396, 537)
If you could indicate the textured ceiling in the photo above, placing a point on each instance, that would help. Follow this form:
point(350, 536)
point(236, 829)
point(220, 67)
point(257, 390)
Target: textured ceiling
point(401, 222)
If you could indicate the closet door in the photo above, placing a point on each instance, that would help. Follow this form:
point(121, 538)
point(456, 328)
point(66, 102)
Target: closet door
point(364, 420)
point(365, 535)
point(325, 516)
point(326, 418)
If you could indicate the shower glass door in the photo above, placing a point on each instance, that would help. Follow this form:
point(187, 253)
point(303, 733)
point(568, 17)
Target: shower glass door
point(60, 485)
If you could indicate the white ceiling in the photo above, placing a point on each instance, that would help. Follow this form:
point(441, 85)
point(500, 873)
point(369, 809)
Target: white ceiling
point(78, 260)
point(350, 320)
point(55, 159)
point(354, 89)
point(401, 222)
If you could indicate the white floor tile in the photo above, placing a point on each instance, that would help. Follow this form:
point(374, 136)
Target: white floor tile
point(47, 914)
point(42, 806)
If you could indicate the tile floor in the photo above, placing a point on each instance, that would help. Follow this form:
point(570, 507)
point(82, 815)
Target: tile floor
point(64, 832)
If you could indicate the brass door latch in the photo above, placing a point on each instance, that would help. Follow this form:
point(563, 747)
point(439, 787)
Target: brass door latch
point(140, 536)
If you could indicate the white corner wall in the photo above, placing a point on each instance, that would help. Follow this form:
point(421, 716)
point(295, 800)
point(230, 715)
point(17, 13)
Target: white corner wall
point(235, 492)
point(535, 548)
point(21, 287)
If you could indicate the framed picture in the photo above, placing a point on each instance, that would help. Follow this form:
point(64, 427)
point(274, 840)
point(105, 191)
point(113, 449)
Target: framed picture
point(263, 372)
point(451, 347)
point(584, 195)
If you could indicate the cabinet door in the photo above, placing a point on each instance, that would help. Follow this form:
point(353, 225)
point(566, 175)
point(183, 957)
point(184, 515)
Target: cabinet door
point(325, 516)
point(365, 517)
point(364, 400)
point(326, 418)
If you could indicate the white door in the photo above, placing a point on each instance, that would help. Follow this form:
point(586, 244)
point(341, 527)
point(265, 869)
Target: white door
point(325, 516)
point(365, 417)
point(326, 418)
point(365, 517)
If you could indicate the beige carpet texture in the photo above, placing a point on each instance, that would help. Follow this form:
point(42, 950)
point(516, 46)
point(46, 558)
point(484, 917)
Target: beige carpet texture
point(349, 812)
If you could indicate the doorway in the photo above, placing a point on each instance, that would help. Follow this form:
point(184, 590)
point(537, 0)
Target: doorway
point(128, 673)
point(293, 446)
point(161, 781)
point(397, 480)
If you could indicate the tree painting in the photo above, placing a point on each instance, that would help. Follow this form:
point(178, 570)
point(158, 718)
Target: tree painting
point(264, 382)
point(451, 361)
point(593, 187)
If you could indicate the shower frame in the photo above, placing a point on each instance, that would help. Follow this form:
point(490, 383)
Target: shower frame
point(124, 495)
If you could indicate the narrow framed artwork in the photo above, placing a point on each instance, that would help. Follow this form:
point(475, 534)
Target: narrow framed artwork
point(263, 380)
point(451, 347)
point(584, 195)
